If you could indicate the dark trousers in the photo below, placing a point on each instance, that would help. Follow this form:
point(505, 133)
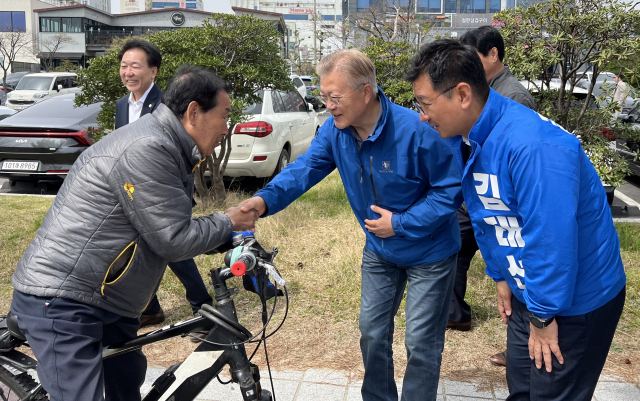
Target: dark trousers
point(584, 341)
point(67, 338)
point(188, 274)
point(459, 310)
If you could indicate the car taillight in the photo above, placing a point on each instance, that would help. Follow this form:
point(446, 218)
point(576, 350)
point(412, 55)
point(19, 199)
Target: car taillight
point(258, 129)
point(608, 133)
point(80, 136)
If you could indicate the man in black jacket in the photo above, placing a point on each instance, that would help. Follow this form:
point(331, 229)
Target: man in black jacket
point(139, 64)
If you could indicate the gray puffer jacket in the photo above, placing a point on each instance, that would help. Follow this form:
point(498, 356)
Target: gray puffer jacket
point(123, 213)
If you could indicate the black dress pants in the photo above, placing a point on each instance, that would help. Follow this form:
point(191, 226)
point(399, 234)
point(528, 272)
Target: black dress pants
point(584, 341)
point(459, 309)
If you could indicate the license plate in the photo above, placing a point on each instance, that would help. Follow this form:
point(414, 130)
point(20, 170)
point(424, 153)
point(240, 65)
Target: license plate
point(20, 166)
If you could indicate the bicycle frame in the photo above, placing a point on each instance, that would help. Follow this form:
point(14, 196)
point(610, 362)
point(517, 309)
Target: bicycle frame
point(184, 381)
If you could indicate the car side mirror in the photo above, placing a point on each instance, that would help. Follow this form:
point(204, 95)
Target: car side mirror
point(309, 106)
point(59, 88)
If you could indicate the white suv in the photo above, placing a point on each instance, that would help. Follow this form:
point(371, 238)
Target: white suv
point(34, 88)
point(281, 128)
point(301, 87)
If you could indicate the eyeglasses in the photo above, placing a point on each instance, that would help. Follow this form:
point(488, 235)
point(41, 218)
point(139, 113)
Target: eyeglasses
point(335, 100)
point(421, 110)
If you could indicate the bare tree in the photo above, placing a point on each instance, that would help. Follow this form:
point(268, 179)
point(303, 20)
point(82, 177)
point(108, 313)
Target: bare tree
point(11, 43)
point(50, 46)
point(393, 21)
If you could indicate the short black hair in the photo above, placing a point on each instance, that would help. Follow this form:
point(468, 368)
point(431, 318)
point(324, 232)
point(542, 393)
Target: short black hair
point(448, 62)
point(484, 39)
point(189, 84)
point(154, 58)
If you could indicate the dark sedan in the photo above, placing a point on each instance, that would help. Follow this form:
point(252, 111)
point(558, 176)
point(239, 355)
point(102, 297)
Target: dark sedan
point(43, 141)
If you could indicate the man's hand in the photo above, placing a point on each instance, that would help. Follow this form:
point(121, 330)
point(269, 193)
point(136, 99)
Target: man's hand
point(382, 227)
point(256, 203)
point(242, 221)
point(504, 300)
point(543, 342)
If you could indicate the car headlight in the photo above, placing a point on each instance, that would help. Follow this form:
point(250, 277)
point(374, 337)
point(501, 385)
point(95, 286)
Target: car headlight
point(40, 95)
point(9, 95)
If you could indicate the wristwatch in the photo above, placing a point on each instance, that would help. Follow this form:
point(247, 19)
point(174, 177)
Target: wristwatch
point(540, 322)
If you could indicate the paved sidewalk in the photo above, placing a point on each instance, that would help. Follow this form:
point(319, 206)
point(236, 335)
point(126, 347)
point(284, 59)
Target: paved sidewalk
point(325, 385)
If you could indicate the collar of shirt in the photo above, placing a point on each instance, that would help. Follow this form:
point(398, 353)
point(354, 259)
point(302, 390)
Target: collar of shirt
point(135, 107)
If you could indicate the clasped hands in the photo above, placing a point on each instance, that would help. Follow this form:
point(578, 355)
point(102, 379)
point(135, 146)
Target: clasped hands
point(244, 216)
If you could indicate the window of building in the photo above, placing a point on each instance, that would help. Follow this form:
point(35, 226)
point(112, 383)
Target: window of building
point(494, 6)
point(429, 6)
point(71, 24)
point(56, 24)
point(450, 6)
point(12, 21)
point(192, 5)
point(473, 6)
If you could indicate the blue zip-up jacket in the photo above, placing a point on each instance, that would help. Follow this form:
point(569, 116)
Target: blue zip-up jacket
point(539, 211)
point(404, 167)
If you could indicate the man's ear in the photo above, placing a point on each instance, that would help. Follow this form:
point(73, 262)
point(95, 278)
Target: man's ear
point(368, 91)
point(465, 95)
point(494, 54)
point(154, 72)
point(191, 115)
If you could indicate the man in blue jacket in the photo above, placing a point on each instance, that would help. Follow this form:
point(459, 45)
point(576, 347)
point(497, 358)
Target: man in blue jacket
point(541, 219)
point(404, 189)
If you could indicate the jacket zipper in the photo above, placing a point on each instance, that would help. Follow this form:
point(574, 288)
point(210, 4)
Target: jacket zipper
point(371, 176)
point(104, 281)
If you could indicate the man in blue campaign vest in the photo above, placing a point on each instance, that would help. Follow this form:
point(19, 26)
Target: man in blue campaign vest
point(541, 219)
point(404, 189)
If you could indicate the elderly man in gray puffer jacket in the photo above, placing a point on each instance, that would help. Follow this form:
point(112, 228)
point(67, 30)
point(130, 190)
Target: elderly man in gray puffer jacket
point(122, 214)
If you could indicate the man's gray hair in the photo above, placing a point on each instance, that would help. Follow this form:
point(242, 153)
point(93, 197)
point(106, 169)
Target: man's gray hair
point(355, 65)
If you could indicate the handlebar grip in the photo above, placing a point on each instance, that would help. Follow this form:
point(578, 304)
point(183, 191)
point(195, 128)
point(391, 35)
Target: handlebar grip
point(239, 268)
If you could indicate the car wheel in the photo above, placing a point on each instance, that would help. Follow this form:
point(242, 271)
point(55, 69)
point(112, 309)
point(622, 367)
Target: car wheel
point(282, 162)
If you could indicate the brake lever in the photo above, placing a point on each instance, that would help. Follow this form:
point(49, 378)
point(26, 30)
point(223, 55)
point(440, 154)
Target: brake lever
point(271, 270)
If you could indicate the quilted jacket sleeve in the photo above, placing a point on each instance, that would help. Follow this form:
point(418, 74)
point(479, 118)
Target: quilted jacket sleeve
point(149, 184)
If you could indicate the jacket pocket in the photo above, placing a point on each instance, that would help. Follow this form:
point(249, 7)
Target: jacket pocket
point(120, 265)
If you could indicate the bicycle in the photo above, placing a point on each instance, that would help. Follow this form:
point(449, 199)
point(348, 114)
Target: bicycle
point(224, 343)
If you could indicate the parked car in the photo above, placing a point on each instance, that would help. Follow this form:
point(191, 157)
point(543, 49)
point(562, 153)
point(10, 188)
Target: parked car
point(627, 147)
point(299, 84)
point(281, 127)
point(34, 88)
point(43, 141)
point(14, 78)
point(6, 112)
point(315, 100)
point(311, 82)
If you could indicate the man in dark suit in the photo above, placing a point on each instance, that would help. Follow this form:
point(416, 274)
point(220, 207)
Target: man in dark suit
point(139, 64)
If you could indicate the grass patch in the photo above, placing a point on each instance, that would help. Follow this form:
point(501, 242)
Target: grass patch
point(320, 249)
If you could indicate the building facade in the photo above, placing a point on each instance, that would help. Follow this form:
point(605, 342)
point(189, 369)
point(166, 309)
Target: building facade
point(311, 25)
point(18, 17)
point(188, 4)
point(92, 31)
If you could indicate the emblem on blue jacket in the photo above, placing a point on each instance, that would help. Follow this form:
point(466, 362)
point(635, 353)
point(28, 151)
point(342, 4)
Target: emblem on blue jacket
point(386, 167)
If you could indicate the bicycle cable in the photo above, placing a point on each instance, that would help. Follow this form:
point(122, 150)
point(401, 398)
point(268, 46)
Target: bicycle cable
point(264, 327)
